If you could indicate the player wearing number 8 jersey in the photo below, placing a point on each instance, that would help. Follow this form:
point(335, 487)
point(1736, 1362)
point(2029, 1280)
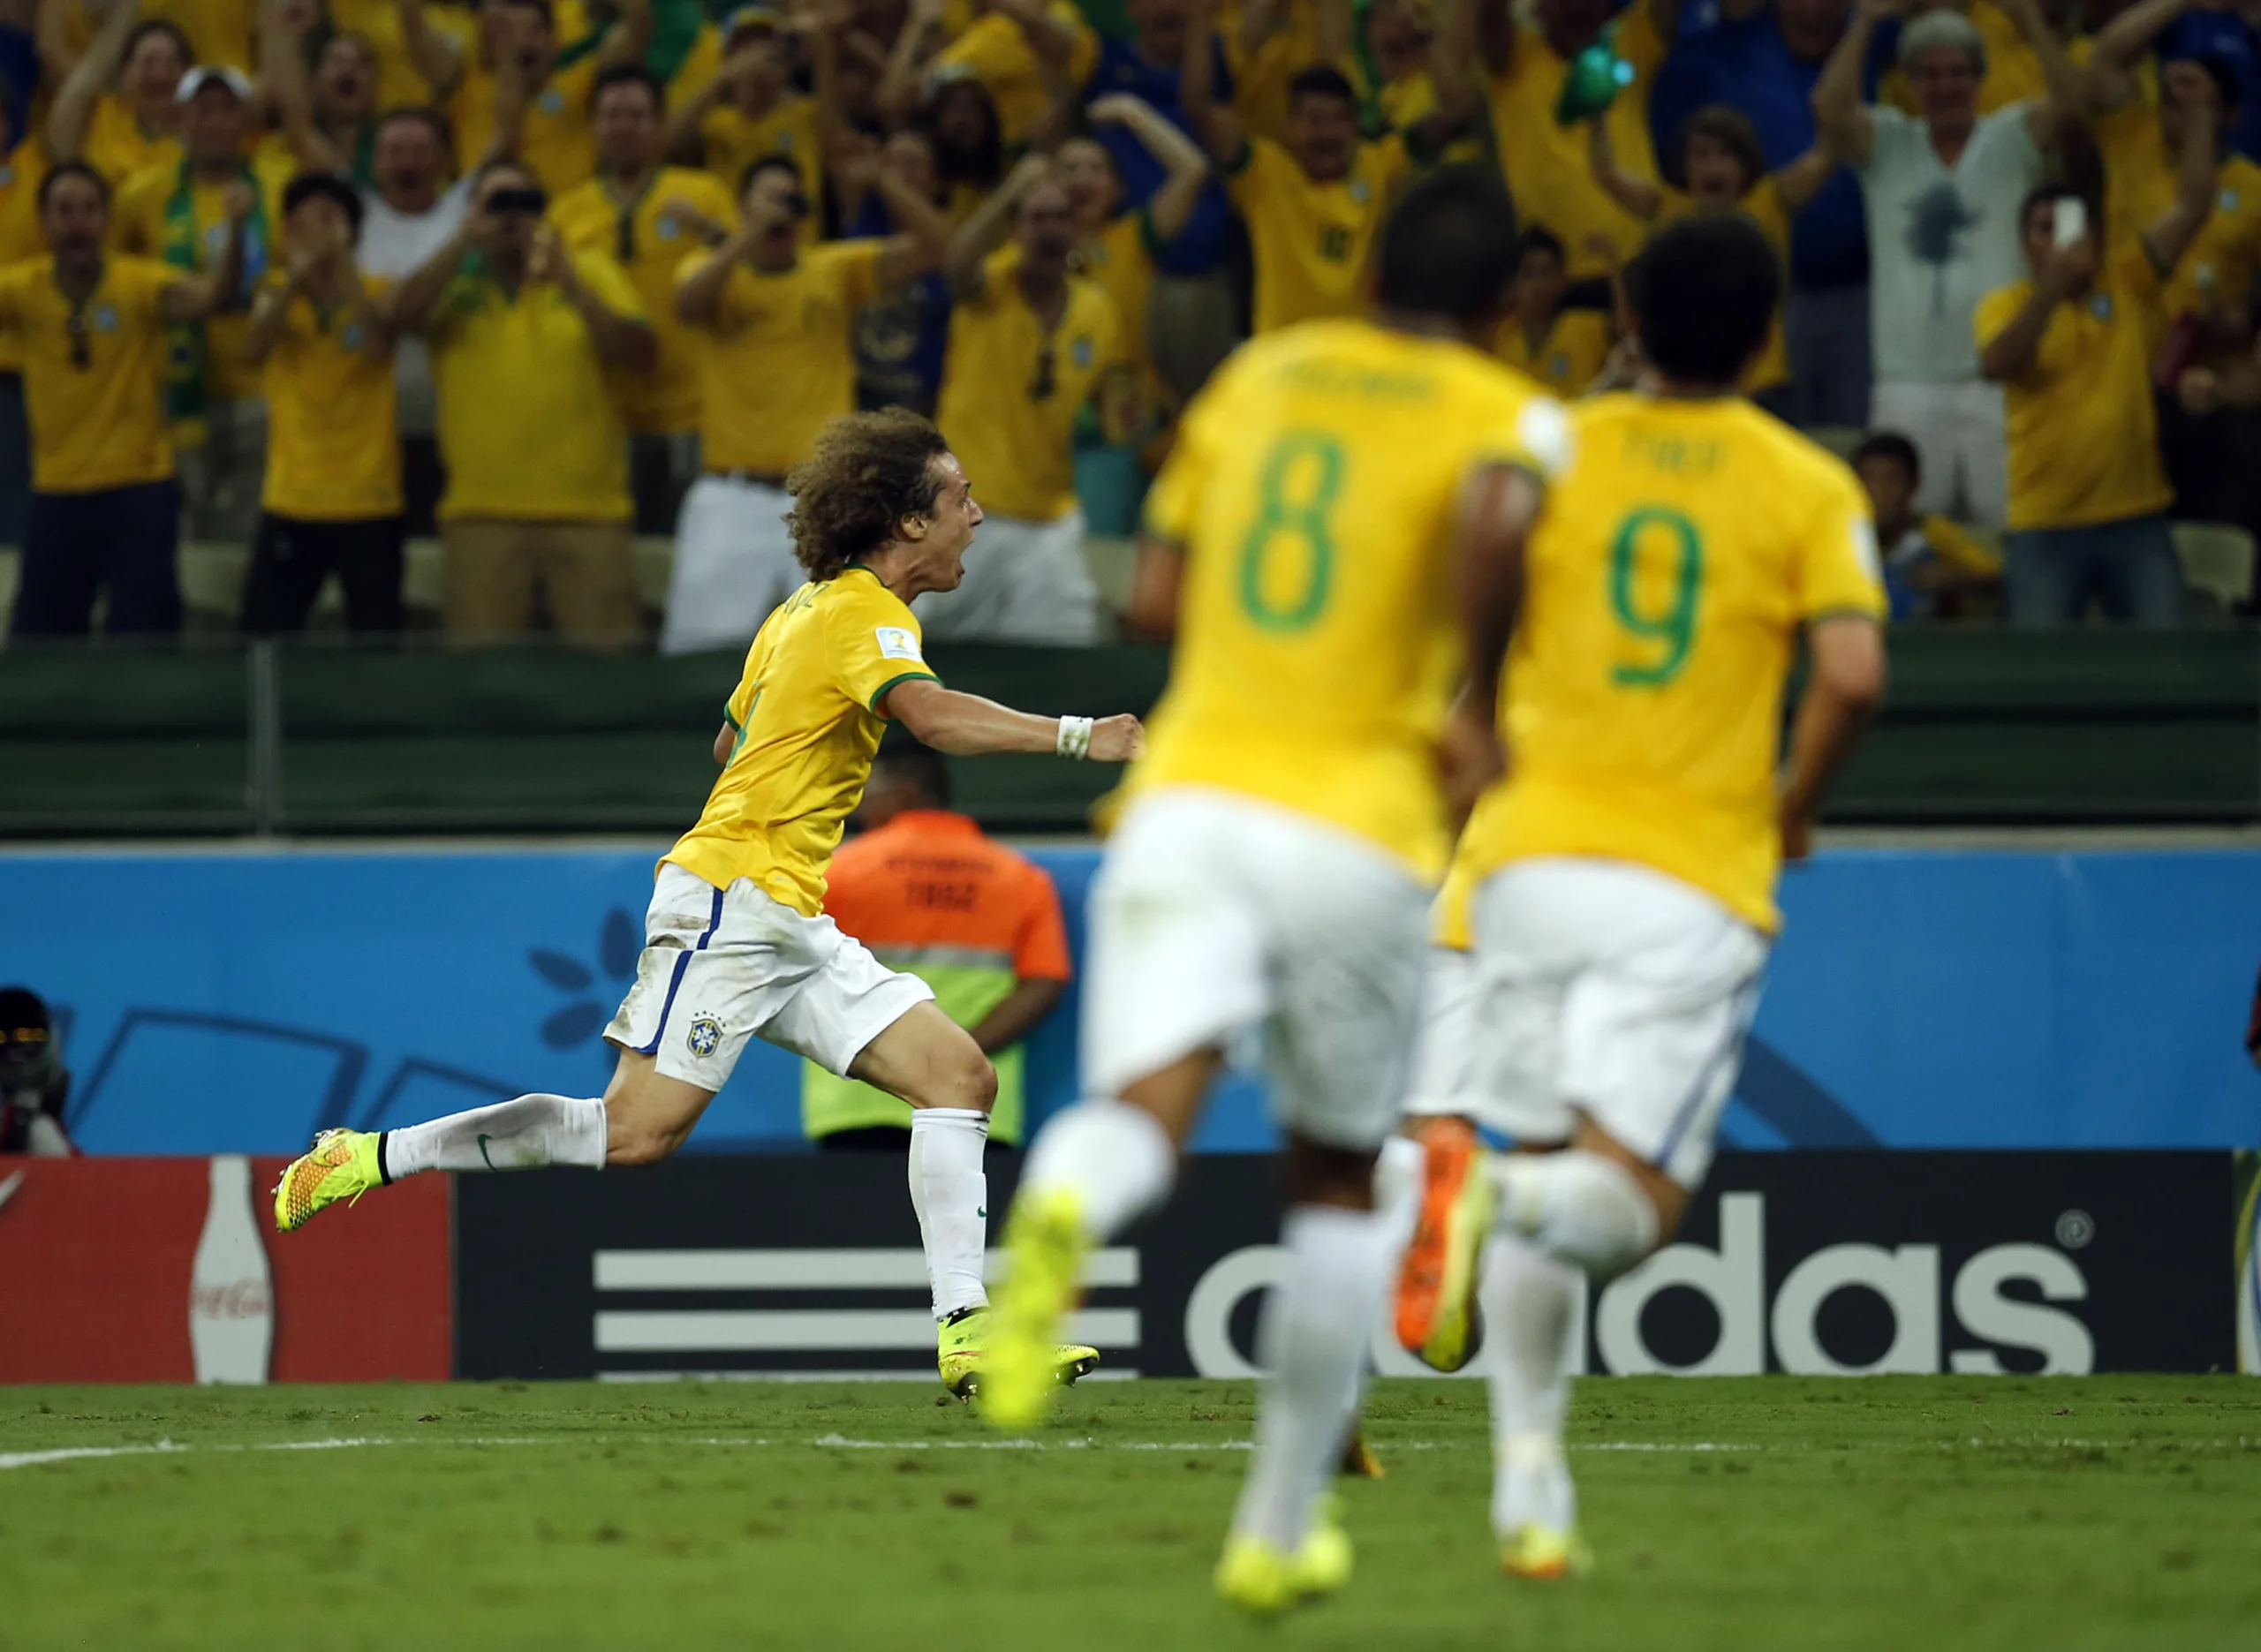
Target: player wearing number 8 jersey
point(1622, 877)
point(1330, 492)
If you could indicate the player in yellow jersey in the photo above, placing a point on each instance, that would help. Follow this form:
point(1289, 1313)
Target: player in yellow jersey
point(1330, 492)
point(737, 945)
point(1623, 872)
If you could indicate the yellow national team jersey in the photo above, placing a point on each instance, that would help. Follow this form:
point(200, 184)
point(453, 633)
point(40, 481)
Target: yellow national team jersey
point(2218, 272)
point(118, 147)
point(1011, 391)
point(1682, 554)
point(1311, 239)
point(1261, 79)
point(138, 220)
point(997, 52)
point(1763, 206)
point(22, 172)
point(734, 140)
point(333, 452)
point(399, 81)
point(1313, 489)
point(649, 238)
point(558, 144)
point(218, 31)
point(808, 714)
point(102, 424)
point(1567, 360)
point(1546, 163)
point(528, 427)
point(779, 360)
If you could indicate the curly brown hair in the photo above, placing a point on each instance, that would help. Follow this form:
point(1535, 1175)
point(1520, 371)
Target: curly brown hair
point(869, 472)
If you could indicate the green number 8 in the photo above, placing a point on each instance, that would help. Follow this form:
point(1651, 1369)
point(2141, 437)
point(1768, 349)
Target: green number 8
point(1676, 628)
point(1304, 518)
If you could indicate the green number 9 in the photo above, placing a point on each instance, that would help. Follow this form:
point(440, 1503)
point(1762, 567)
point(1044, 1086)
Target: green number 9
point(1676, 628)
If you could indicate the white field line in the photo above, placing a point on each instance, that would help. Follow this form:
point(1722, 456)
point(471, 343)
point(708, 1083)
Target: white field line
point(841, 1442)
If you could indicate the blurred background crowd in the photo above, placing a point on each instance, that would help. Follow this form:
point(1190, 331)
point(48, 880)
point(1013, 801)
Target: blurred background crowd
point(512, 319)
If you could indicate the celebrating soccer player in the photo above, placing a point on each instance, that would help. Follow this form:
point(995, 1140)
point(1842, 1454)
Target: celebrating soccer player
point(1276, 858)
point(737, 942)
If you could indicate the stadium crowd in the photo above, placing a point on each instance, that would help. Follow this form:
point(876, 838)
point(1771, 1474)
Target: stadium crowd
point(319, 275)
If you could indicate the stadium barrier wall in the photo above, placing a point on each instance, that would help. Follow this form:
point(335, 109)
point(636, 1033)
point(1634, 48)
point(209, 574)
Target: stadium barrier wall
point(234, 1001)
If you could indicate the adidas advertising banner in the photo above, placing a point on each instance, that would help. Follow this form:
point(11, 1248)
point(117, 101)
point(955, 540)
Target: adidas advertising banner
point(1825, 1262)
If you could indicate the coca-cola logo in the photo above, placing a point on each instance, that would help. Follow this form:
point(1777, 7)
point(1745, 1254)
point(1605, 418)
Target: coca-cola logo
point(237, 1299)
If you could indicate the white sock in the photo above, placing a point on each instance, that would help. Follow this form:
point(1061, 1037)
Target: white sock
point(1528, 1300)
point(1316, 1325)
point(1397, 1189)
point(950, 1191)
point(508, 1136)
point(1114, 1156)
point(1579, 1206)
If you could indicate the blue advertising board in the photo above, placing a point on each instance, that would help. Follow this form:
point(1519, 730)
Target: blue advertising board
point(232, 1000)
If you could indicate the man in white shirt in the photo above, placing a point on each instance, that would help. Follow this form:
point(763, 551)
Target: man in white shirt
point(1943, 192)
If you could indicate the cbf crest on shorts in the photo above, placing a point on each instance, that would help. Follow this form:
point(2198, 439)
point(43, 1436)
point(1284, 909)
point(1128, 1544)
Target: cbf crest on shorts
point(705, 1036)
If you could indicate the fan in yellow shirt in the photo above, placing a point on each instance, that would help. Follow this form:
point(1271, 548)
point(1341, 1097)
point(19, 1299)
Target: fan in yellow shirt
point(1016, 49)
point(332, 500)
point(647, 217)
point(138, 128)
point(2071, 349)
point(514, 75)
point(738, 947)
point(1029, 345)
point(1726, 171)
point(523, 335)
point(773, 321)
point(750, 109)
point(1624, 868)
point(1561, 349)
point(91, 331)
point(1267, 44)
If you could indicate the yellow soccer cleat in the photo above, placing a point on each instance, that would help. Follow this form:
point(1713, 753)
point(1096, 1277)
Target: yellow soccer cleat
point(342, 1165)
point(1048, 1244)
point(1436, 1284)
point(963, 1351)
point(1544, 1554)
point(1359, 1460)
point(1264, 1580)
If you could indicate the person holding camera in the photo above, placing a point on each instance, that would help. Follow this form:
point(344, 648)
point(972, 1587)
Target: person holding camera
point(776, 324)
point(522, 335)
point(33, 1082)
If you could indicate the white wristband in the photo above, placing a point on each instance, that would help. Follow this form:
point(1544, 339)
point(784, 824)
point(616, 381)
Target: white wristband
point(1075, 737)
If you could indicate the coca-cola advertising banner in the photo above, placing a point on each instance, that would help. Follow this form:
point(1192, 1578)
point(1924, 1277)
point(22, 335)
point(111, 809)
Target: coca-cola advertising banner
point(1828, 1263)
point(170, 1270)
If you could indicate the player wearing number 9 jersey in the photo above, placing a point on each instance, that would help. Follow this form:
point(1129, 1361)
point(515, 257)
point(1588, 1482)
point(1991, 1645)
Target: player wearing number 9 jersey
point(1330, 492)
point(1619, 880)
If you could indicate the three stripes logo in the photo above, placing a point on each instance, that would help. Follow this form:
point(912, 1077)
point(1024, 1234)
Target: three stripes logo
point(812, 1314)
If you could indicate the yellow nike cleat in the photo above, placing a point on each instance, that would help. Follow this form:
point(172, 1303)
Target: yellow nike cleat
point(1436, 1284)
point(342, 1165)
point(1359, 1460)
point(1048, 1244)
point(963, 1351)
point(1262, 1580)
point(1544, 1554)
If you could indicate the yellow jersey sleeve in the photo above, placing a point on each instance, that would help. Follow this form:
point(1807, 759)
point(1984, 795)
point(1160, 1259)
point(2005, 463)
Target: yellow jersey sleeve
point(1838, 572)
point(602, 274)
point(874, 641)
point(1262, 171)
point(142, 283)
point(854, 269)
point(1997, 310)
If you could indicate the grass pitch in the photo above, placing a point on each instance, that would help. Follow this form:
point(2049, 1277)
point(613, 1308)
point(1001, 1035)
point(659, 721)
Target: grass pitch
point(1892, 1513)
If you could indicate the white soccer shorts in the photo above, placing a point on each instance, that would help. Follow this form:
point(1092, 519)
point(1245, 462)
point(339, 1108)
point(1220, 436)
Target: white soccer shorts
point(1026, 581)
point(1214, 914)
point(1612, 990)
point(721, 966)
point(733, 564)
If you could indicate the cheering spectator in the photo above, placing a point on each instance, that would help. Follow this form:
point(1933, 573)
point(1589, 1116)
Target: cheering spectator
point(1012, 49)
point(177, 212)
point(332, 500)
point(558, 147)
point(1311, 208)
point(2014, 69)
point(105, 510)
point(933, 895)
point(1929, 562)
point(1726, 171)
point(1943, 195)
point(900, 334)
point(23, 164)
point(648, 216)
point(1029, 345)
point(2223, 32)
point(961, 121)
point(328, 110)
point(775, 320)
point(523, 334)
point(2071, 345)
point(749, 109)
point(1270, 44)
point(1562, 349)
point(139, 128)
